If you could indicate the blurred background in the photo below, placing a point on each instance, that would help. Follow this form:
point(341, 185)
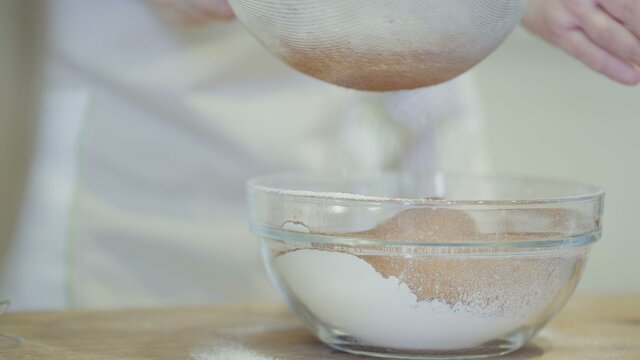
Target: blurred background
point(545, 114)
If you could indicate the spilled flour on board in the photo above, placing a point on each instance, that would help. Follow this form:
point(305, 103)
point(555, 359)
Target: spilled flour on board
point(228, 353)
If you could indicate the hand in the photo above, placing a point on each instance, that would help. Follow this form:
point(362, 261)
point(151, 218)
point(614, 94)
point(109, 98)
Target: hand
point(603, 34)
point(193, 12)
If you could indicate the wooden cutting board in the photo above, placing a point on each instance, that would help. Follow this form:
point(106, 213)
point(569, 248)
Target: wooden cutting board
point(590, 327)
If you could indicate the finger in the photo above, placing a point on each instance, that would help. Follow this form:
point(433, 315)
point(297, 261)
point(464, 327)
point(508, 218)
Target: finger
point(612, 36)
point(179, 12)
point(213, 9)
point(578, 44)
point(626, 11)
point(221, 8)
point(193, 12)
point(197, 12)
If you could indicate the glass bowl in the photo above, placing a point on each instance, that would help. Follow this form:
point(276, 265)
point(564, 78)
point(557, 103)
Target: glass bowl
point(415, 267)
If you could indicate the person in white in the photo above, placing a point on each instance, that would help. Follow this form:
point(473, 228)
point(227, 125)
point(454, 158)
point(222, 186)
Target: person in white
point(154, 114)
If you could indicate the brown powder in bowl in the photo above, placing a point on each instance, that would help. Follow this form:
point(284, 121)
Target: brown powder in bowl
point(451, 276)
point(429, 277)
point(425, 225)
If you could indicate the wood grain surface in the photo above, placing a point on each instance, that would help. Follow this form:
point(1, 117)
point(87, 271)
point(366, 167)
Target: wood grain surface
point(590, 327)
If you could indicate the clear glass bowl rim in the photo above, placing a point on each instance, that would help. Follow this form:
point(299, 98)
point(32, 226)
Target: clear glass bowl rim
point(582, 195)
point(588, 192)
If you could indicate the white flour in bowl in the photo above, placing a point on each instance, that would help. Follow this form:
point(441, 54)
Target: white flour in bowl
point(349, 293)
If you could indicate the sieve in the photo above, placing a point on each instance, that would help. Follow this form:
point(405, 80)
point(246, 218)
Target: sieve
point(380, 45)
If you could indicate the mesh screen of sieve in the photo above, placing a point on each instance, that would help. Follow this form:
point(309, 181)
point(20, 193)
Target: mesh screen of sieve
point(381, 45)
